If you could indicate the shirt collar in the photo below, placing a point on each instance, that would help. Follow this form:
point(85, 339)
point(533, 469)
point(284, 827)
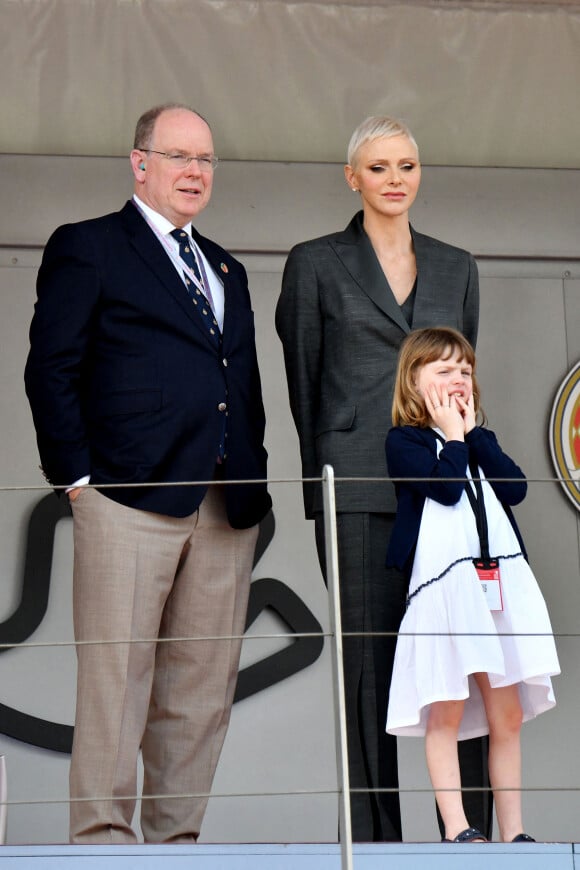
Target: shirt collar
point(161, 224)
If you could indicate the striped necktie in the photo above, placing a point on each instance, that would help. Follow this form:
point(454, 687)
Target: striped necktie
point(196, 294)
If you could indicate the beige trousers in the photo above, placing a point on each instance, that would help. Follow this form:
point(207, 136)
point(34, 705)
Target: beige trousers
point(141, 576)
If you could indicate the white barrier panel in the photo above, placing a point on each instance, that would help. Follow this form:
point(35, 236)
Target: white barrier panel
point(368, 856)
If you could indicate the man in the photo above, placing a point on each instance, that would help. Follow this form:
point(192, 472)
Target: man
point(143, 371)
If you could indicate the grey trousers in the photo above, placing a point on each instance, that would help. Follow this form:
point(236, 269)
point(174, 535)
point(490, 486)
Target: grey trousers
point(373, 600)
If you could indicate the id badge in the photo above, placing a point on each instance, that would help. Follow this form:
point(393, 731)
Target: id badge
point(488, 573)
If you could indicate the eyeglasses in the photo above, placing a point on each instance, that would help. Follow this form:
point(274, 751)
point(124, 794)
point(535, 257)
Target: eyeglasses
point(182, 161)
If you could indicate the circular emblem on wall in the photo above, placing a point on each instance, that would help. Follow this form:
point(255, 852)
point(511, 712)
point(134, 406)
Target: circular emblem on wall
point(565, 434)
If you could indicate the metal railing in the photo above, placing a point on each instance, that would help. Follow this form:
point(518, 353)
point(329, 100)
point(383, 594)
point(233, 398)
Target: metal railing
point(335, 635)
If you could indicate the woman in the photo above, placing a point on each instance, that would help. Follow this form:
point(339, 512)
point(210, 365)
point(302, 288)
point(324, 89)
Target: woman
point(348, 300)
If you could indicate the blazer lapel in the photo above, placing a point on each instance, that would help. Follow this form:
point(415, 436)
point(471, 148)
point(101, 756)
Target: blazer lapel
point(150, 249)
point(356, 252)
point(427, 268)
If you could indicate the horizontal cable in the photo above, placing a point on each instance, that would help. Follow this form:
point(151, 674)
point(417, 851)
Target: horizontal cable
point(185, 638)
point(302, 792)
point(254, 480)
point(283, 636)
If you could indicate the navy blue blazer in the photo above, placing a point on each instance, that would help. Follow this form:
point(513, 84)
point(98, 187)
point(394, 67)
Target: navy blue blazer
point(123, 380)
point(412, 452)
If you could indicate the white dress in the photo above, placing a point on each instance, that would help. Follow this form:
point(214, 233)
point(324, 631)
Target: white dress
point(449, 633)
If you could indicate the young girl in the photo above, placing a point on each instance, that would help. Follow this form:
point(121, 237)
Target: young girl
point(475, 651)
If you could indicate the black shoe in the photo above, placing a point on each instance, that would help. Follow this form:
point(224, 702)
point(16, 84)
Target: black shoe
point(523, 838)
point(469, 835)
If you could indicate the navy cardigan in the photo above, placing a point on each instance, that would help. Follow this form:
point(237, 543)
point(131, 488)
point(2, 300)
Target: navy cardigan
point(412, 452)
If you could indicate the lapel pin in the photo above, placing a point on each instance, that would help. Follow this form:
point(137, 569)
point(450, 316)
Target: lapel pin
point(224, 268)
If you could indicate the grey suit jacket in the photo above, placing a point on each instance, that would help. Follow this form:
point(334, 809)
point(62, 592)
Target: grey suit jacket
point(341, 329)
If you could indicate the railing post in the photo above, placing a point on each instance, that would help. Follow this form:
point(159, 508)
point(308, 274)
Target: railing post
point(3, 799)
point(332, 578)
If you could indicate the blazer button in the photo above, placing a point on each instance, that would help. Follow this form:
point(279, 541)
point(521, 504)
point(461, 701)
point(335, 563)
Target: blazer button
point(225, 362)
point(222, 406)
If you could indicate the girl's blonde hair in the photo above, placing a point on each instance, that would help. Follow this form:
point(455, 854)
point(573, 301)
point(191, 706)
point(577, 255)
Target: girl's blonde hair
point(421, 347)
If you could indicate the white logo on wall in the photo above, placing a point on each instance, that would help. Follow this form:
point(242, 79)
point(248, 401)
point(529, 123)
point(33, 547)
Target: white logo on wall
point(565, 434)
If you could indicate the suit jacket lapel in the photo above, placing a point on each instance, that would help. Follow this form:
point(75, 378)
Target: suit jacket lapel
point(356, 252)
point(151, 251)
point(427, 267)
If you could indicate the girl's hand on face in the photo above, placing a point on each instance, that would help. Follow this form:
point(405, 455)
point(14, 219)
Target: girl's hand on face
point(467, 411)
point(445, 413)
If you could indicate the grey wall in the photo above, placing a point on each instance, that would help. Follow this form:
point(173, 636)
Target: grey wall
point(522, 226)
point(480, 82)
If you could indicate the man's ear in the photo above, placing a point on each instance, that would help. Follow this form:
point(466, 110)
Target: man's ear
point(137, 165)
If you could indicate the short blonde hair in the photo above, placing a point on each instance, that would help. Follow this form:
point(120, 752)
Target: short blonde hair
point(376, 127)
point(421, 347)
